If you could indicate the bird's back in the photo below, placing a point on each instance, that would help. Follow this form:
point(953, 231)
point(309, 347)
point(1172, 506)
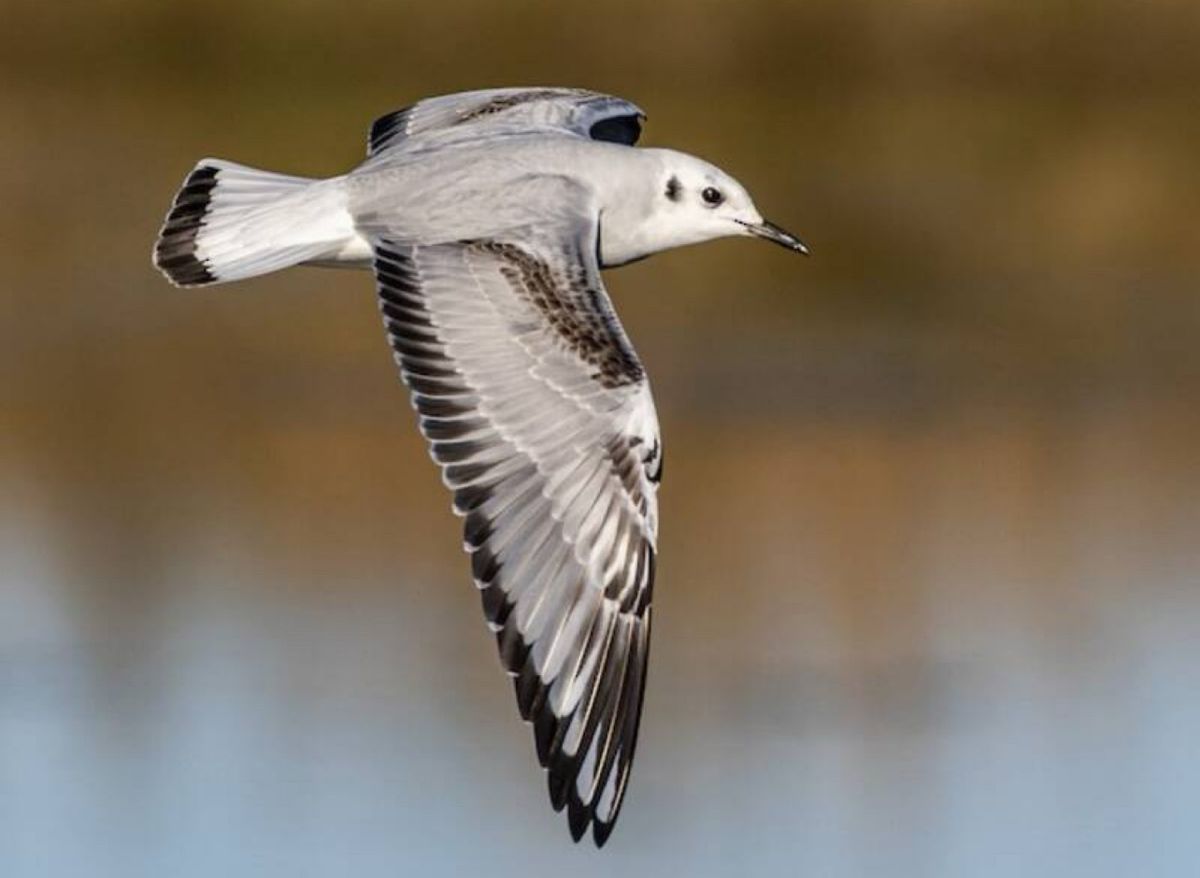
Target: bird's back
point(469, 189)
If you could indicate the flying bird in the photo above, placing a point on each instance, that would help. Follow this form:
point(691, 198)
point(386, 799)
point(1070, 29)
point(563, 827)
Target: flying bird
point(487, 218)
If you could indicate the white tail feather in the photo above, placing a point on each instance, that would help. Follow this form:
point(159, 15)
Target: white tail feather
point(229, 221)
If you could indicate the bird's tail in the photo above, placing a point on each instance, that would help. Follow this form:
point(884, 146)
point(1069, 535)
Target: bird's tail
point(229, 222)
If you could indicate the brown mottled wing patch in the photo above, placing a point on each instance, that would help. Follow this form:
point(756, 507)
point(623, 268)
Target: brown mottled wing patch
point(538, 412)
point(575, 308)
point(508, 101)
point(577, 111)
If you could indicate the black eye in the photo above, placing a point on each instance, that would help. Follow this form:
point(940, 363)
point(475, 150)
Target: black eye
point(712, 196)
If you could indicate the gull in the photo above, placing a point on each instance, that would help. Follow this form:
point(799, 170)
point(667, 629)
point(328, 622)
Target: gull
point(487, 217)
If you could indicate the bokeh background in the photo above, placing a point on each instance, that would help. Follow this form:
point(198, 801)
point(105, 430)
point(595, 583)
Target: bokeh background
point(928, 600)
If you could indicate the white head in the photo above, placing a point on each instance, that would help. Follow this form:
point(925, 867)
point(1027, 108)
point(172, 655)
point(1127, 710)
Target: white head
point(675, 199)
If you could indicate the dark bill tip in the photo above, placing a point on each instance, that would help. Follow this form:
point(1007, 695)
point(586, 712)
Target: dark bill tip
point(771, 232)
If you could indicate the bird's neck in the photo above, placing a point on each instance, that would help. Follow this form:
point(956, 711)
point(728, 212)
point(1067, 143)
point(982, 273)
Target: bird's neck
point(625, 193)
point(620, 244)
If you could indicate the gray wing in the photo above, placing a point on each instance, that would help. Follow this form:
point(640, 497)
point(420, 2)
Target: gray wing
point(586, 113)
point(537, 408)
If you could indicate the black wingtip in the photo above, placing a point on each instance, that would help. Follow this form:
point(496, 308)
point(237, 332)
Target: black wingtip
point(175, 250)
point(618, 129)
point(387, 129)
point(531, 694)
point(545, 732)
point(601, 832)
point(557, 784)
point(578, 817)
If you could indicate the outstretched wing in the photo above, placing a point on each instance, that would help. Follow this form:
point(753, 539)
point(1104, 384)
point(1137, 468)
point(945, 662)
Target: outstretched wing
point(586, 113)
point(538, 410)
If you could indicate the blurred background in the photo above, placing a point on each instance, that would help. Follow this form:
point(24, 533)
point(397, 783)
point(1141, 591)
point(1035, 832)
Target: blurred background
point(928, 602)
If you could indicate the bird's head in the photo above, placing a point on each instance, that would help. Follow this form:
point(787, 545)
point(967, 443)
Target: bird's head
point(694, 201)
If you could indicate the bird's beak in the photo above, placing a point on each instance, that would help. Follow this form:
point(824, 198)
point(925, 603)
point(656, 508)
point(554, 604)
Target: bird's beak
point(772, 232)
